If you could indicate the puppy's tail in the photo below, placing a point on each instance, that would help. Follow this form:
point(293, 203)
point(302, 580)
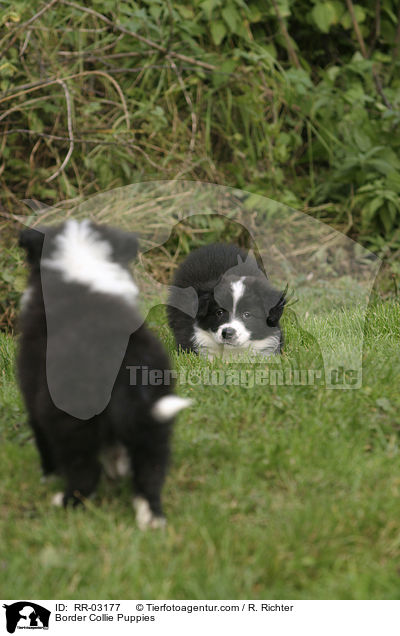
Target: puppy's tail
point(168, 406)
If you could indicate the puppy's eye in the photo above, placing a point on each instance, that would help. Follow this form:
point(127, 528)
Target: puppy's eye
point(246, 314)
point(219, 313)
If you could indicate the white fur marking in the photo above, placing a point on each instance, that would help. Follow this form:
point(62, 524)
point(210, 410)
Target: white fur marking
point(237, 292)
point(268, 345)
point(47, 479)
point(58, 499)
point(167, 407)
point(241, 338)
point(144, 516)
point(205, 343)
point(82, 256)
point(115, 461)
point(212, 345)
point(123, 466)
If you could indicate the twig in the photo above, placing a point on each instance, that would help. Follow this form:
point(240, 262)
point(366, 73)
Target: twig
point(357, 31)
point(28, 88)
point(88, 54)
point(378, 85)
point(397, 38)
point(24, 25)
point(70, 132)
point(10, 93)
point(291, 51)
point(26, 42)
point(24, 106)
point(119, 91)
point(361, 43)
point(377, 30)
point(396, 289)
point(106, 47)
point(81, 140)
point(189, 103)
point(136, 36)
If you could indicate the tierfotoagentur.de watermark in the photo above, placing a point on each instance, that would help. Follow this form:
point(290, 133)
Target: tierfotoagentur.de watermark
point(244, 377)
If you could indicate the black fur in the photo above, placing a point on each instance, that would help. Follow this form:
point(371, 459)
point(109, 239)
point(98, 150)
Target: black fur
point(82, 320)
point(210, 271)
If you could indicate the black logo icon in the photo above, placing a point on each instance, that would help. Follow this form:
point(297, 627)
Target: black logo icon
point(26, 615)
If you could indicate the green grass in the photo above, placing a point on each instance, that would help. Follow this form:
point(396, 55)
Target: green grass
point(274, 492)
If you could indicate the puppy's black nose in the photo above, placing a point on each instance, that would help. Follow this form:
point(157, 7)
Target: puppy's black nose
point(228, 333)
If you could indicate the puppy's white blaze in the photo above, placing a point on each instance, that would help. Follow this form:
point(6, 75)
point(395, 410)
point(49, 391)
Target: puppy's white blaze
point(167, 407)
point(144, 516)
point(238, 290)
point(82, 256)
point(58, 498)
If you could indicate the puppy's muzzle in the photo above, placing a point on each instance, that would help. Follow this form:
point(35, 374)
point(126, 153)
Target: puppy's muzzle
point(228, 333)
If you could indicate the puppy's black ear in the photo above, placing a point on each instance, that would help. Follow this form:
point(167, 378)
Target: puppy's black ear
point(276, 311)
point(32, 242)
point(125, 244)
point(204, 301)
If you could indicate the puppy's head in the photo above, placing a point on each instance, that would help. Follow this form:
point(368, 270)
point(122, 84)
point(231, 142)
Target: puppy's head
point(241, 311)
point(77, 237)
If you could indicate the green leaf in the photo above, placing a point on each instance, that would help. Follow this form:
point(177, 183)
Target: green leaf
point(324, 15)
point(368, 213)
point(346, 21)
point(208, 6)
point(362, 140)
point(231, 17)
point(186, 12)
point(386, 219)
point(218, 31)
point(359, 12)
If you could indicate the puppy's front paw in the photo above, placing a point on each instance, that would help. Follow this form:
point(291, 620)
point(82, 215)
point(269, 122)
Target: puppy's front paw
point(61, 499)
point(145, 518)
point(58, 499)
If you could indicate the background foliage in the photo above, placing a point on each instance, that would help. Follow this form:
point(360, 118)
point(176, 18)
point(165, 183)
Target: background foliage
point(295, 100)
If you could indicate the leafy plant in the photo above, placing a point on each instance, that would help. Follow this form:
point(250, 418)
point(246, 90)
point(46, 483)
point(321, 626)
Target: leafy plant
point(298, 101)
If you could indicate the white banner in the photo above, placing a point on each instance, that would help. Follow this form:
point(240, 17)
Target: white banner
point(277, 618)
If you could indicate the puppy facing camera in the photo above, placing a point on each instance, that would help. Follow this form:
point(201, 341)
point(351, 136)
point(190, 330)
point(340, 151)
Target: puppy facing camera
point(238, 309)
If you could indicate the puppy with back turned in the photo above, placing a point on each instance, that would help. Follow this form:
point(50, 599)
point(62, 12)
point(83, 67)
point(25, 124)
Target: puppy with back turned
point(82, 354)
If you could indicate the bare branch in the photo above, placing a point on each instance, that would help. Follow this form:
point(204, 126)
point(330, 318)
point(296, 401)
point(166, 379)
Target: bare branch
point(189, 103)
point(70, 132)
point(136, 36)
point(292, 53)
point(357, 31)
point(26, 24)
point(79, 140)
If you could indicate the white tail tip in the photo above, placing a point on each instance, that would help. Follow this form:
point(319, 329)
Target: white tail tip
point(167, 407)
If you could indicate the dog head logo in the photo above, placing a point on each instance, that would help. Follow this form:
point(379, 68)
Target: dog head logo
point(26, 615)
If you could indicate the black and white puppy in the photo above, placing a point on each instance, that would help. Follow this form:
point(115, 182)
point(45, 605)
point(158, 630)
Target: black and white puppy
point(238, 309)
point(81, 335)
